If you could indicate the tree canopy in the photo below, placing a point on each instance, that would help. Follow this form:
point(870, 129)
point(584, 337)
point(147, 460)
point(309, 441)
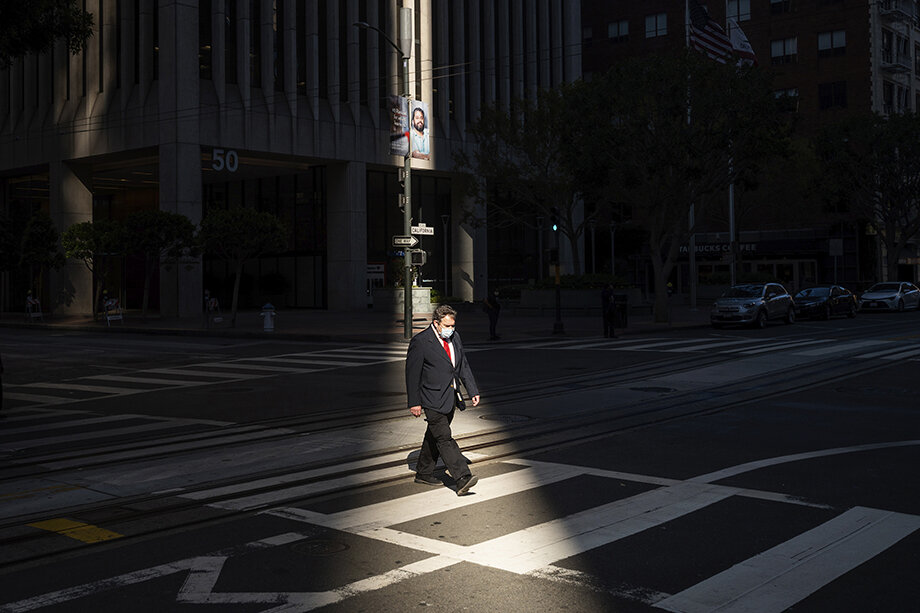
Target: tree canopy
point(241, 234)
point(34, 26)
point(93, 243)
point(872, 165)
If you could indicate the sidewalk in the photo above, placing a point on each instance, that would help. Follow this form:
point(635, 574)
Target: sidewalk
point(367, 326)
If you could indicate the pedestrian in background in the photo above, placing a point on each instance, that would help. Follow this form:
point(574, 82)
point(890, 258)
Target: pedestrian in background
point(608, 310)
point(492, 307)
point(435, 368)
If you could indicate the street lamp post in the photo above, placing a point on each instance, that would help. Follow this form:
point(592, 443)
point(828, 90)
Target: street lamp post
point(405, 51)
point(540, 247)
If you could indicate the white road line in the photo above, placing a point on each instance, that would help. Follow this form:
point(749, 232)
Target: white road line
point(645, 346)
point(890, 354)
point(305, 361)
point(205, 373)
point(775, 346)
point(778, 578)
point(242, 365)
point(125, 379)
point(527, 550)
point(705, 346)
point(396, 351)
point(37, 398)
point(84, 388)
point(841, 348)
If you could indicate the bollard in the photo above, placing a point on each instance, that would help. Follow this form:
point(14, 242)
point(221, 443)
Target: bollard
point(268, 317)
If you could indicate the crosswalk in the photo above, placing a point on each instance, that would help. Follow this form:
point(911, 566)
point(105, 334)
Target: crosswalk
point(858, 349)
point(94, 387)
point(777, 570)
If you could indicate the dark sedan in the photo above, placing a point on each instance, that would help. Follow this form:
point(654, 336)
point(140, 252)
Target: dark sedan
point(825, 301)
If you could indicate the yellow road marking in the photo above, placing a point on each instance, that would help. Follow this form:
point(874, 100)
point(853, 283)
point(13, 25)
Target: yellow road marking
point(76, 530)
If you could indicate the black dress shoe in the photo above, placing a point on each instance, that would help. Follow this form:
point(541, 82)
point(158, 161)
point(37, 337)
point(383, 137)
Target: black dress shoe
point(465, 483)
point(427, 480)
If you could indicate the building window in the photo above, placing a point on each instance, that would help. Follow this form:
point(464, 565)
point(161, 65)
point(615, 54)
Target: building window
point(784, 50)
point(780, 6)
point(832, 95)
point(887, 97)
point(787, 99)
point(618, 31)
point(278, 44)
point(205, 40)
point(739, 10)
point(917, 61)
point(656, 25)
point(832, 43)
point(887, 46)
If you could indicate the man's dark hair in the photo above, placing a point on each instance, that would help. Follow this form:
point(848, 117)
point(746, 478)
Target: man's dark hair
point(442, 311)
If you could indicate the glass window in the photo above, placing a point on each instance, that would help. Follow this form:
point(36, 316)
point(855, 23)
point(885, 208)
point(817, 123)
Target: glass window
point(205, 40)
point(784, 50)
point(618, 31)
point(739, 10)
point(832, 95)
point(832, 43)
point(656, 25)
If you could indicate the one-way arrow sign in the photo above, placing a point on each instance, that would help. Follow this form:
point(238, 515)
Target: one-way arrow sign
point(405, 241)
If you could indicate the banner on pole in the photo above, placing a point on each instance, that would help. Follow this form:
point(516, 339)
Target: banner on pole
point(399, 126)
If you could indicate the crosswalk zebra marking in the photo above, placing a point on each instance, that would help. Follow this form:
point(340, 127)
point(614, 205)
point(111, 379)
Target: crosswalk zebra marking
point(778, 578)
point(783, 345)
point(841, 348)
point(83, 388)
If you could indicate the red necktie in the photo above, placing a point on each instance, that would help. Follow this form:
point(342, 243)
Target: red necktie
point(447, 349)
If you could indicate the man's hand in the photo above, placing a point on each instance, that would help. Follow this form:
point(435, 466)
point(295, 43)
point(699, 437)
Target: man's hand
point(417, 410)
point(475, 399)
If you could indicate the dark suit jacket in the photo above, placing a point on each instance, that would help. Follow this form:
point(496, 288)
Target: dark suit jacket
point(430, 374)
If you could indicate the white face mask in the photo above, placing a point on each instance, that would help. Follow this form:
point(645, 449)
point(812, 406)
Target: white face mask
point(446, 332)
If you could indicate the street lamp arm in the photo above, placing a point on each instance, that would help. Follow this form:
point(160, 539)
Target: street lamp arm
point(366, 26)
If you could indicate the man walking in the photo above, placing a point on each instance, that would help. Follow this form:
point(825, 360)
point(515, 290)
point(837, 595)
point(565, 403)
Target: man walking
point(435, 368)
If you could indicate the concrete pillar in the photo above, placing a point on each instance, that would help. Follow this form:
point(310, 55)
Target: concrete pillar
point(346, 232)
point(181, 287)
point(469, 250)
point(70, 287)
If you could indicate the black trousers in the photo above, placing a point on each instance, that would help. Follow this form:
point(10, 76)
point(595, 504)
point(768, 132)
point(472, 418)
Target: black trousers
point(439, 443)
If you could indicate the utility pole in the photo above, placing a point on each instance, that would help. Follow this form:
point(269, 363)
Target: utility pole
point(404, 48)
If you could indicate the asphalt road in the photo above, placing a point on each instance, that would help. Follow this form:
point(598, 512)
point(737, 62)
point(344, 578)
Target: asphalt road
point(700, 470)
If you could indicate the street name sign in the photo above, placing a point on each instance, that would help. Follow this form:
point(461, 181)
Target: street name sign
point(423, 230)
point(405, 241)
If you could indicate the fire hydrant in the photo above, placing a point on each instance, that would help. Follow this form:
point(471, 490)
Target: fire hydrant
point(268, 317)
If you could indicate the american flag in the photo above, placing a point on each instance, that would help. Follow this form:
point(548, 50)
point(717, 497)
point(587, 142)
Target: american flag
point(706, 35)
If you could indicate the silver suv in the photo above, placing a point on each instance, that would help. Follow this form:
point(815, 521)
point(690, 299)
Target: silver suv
point(754, 304)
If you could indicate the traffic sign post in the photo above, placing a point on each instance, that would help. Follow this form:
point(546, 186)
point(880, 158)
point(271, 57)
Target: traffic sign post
point(422, 230)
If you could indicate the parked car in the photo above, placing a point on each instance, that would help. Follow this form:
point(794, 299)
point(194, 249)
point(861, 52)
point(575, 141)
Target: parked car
point(890, 296)
point(825, 301)
point(754, 304)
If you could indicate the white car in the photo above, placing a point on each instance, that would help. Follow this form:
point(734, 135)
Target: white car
point(890, 296)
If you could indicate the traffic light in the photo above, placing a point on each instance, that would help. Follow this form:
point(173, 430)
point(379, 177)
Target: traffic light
point(554, 218)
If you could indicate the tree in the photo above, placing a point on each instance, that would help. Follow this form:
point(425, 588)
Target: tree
point(872, 166)
point(160, 236)
point(39, 249)
point(239, 235)
point(35, 26)
point(93, 243)
point(527, 160)
point(676, 130)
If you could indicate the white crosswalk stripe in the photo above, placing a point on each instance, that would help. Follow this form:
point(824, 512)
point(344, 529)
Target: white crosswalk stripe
point(783, 573)
point(807, 347)
point(94, 387)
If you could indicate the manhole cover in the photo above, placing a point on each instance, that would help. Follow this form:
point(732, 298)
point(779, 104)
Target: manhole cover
point(372, 394)
point(319, 547)
point(505, 418)
point(654, 390)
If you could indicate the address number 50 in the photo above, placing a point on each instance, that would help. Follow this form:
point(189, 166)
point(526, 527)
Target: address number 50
point(225, 159)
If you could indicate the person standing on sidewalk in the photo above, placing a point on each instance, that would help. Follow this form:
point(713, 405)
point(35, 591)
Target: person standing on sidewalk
point(492, 307)
point(608, 311)
point(435, 368)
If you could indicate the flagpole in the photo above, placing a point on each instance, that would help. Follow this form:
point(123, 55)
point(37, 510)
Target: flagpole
point(732, 244)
